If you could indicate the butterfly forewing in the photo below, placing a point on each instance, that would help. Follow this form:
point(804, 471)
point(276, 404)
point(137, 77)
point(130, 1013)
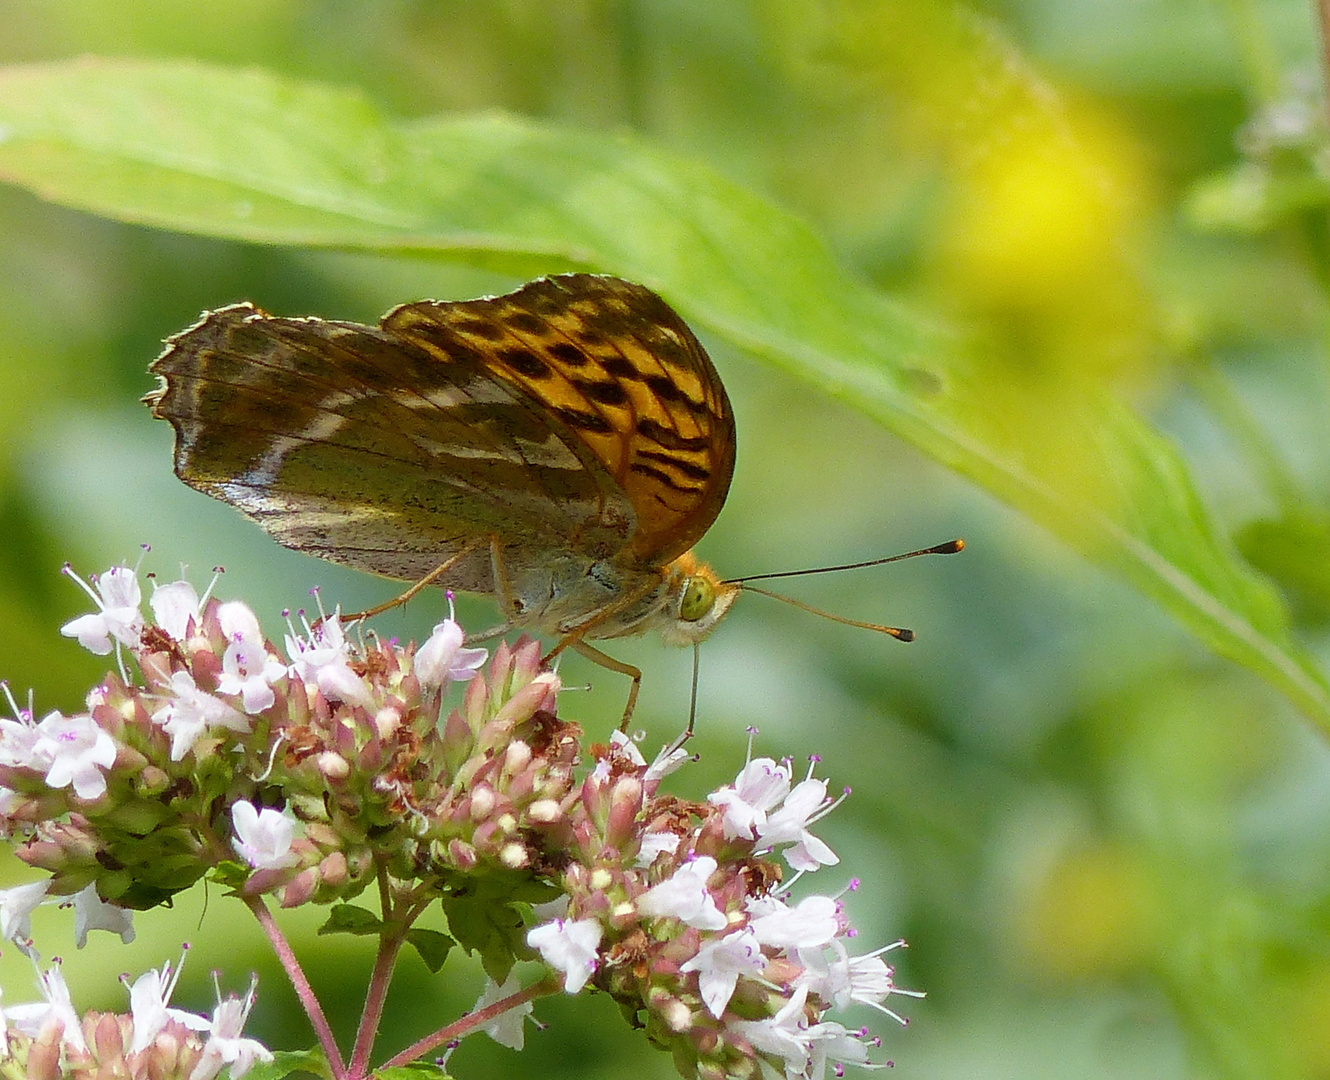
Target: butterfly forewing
point(621, 369)
point(573, 421)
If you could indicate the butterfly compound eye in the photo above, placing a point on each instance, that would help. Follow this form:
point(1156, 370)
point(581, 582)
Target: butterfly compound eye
point(698, 597)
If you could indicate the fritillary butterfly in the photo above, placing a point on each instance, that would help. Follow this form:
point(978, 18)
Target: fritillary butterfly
point(560, 448)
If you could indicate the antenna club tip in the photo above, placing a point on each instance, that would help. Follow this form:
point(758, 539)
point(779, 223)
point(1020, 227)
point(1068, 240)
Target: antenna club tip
point(951, 547)
point(902, 634)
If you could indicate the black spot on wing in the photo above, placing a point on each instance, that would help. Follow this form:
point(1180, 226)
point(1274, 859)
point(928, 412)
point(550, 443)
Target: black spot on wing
point(604, 393)
point(568, 353)
point(619, 367)
point(482, 328)
point(527, 322)
point(525, 362)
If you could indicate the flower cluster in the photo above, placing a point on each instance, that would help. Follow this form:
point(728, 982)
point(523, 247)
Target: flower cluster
point(675, 908)
point(48, 1040)
point(311, 772)
point(224, 745)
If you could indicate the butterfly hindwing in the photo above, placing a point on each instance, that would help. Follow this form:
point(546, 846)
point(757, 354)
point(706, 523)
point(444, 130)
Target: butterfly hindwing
point(350, 443)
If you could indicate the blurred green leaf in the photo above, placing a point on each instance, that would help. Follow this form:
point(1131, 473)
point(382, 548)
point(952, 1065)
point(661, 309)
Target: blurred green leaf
point(349, 919)
point(493, 930)
point(416, 1070)
point(248, 156)
point(432, 946)
point(1251, 197)
point(288, 1062)
point(1295, 551)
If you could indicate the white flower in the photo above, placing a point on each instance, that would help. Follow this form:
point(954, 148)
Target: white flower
point(667, 761)
point(226, 1045)
point(670, 757)
point(247, 668)
point(118, 614)
point(31, 1019)
point(74, 747)
point(324, 661)
point(811, 924)
point(845, 979)
point(760, 785)
point(684, 896)
point(784, 1034)
point(790, 824)
point(620, 741)
point(508, 1028)
point(831, 1041)
point(148, 999)
point(720, 962)
point(175, 606)
point(655, 844)
point(442, 659)
point(16, 908)
point(91, 912)
point(263, 838)
point(568, 947)
point(189, 712)
point(18, 741)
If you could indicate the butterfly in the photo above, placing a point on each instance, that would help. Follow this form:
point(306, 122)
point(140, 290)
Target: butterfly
point(560, 448)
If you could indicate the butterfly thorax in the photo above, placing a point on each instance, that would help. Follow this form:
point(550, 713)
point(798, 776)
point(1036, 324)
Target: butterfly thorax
point(683, 600)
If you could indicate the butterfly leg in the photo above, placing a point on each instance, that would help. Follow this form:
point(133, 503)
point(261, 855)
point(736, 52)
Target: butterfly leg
point(509, 607)
point(428, 580)
point(606, 661)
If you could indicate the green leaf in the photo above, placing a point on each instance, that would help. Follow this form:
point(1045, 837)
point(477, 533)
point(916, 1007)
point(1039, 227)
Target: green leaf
point(286, 1062)
point(416, 1070)
point(1252, 198)
point(496, 931)
point(432, 946)
point(1295, 551)
point(233, 875)
point(349, 919)
point(246, 155)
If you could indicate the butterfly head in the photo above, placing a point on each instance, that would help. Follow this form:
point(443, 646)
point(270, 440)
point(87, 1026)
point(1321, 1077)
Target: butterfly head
point(696, 600)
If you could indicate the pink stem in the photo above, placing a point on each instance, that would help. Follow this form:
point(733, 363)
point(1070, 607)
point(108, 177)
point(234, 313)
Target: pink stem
point(374, 1000)
point(303, 990)
point(470, 1022)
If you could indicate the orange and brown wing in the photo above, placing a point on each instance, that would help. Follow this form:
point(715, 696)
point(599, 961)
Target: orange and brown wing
point(614, 363)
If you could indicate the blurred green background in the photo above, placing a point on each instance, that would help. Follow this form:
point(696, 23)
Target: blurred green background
point(1108, 848)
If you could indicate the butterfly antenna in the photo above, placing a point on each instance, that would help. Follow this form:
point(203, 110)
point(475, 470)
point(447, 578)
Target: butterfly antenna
point(900, 633)
point(949, 548)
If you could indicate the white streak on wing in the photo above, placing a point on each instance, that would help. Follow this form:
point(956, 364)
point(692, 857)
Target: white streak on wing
point(488, 391)
point(445, 397)
point(352, 515)
point(260, 504)
point(479, 391)
point(466, 450)
point(440, 397)
point(553, 453)
point(325, 423)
